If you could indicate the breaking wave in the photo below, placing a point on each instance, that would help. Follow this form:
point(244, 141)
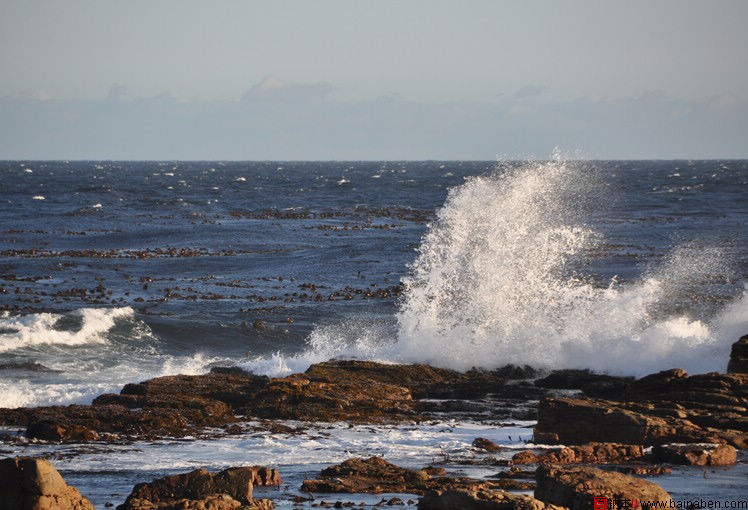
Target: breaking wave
point(83, 326)
point(90, 351)
point(499, 279)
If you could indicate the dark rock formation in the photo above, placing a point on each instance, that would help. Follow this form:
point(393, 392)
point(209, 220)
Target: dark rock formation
point(666, 407)
point(230, 489)
point(375, 475)
point(28, 483)
point(695, 454)
point(464, 499)
point(481, 443)
point(739, 357)
point(592, 384)
point(354, 391)
point(576, 487)
point(592, 453)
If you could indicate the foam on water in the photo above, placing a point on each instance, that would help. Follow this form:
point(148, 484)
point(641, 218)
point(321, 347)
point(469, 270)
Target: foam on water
point(42, 328)
point(497, 281)
point(92, 350)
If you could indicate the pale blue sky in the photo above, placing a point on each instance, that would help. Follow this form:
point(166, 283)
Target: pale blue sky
point(372, 79)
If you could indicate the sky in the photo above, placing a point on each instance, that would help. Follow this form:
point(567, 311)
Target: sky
point(383, 79)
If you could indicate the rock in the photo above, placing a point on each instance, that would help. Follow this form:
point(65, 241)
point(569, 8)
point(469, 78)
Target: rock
point(643, 470)
point(29, 483)
point(481, 443)
point(525, 457)
point(463, 499)
point(578, 421)
point(591, 453)
point(375, 475)
point(576, 487)
point(52, 431)
point(592, 384)
point(739, 356)
point(353, 391)
point(228, 489)
point(372, 476)
point(695, 454)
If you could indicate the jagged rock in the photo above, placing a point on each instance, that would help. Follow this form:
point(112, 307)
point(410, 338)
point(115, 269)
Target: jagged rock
point(200, 487)
point(576, 487)
point(52, 431)
point(525, 457)
point(579, 421)
point(739, 356)
point(643, 470)
point(215, 502)
point(353, 391)
point(592, 453)
point(29, 483)
point(695, 454)
point(592, 384)
point(482, 443)
point(375, 475)
point(463, 499)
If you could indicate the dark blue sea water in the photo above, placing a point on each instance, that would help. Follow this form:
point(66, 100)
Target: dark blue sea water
point(115, 271)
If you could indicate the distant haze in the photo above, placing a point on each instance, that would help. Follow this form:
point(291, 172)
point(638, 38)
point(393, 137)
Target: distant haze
point(181, 79)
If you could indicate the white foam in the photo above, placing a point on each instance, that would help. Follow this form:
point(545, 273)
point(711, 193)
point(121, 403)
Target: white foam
point(39, 328)
point(39, 197)
point(494, 283)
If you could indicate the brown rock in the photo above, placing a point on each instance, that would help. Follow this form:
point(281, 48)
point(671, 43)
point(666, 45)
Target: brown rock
point(482, 443)
point(575, 487)
point(696, 454)
point(525, 457)
point(739, 356)
point(375, 475)
point(591, 453)
point(578, 421)
point(198, 488)
point(643, 470)
point(592, 384)
point(28, 483)
point(463, 499)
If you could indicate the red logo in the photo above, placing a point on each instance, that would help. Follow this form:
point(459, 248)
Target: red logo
point(600, 503)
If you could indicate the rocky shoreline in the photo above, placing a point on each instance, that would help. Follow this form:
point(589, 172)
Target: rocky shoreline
point(623, 426)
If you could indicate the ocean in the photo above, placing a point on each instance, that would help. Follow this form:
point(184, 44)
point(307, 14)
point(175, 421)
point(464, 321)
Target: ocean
point(118, 271)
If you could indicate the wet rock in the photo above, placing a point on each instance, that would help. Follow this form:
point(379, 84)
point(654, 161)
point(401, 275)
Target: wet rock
point(462, 499)
point(229, 489)
point(591, 384)
point(28, 483)
point(592, 453)
point(578, 421)
point(739, 356)
point(52, 431)
point(375, 475)
point(643, 470)
point(481, 443)
point(576, 488)
point(525, 457)
point(695, 454)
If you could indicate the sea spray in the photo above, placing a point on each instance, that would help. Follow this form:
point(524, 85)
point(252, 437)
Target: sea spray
point(19, 331)
point(496, 282)
point(499, 279)
point(92, 351)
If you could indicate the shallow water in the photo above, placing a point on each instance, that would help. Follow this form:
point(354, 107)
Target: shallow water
point(107, 473)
